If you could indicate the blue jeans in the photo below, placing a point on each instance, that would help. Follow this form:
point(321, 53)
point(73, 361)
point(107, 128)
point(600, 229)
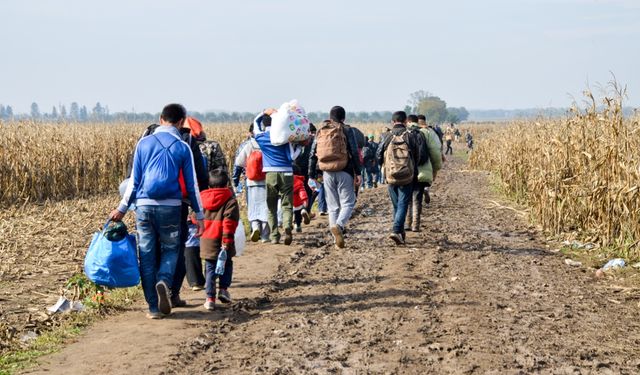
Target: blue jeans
point(322, 202)
point(157, 225)
point(401, 198)
point(210, 276)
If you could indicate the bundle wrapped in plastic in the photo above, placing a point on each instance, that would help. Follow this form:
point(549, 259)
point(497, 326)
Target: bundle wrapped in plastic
point(289, 124)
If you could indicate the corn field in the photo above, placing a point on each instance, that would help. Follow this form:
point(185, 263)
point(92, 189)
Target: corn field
point(41, 161)
point(580, 174)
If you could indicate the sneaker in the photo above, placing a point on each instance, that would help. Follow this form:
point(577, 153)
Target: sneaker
point(255, 235)
point(264, 240)
point(312, 215)
point(427, 197)
point(197, 288)
point(337, 236)
point(298, 229)
point(164, 301)
point(224, 296)
point(210, 304)
point(287, 237)
point(397, 238)
point(176, 301)
point(306, 218)
point(323, 213)
point(154, 315)
point(415, 229)
point(275, 241)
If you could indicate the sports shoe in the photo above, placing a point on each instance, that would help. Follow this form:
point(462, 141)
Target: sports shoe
point(415, 229)
point(154, 315)
point(210, 304)
point(255, 235)
point(176, 301)
point(337, 236)
point(164, 301)
point(298, 229)
point(275, 241)
point(287, 237)
point(323, 213)
point(427, 197)
point(305, 216)
point(224, 296)
point(197, 288)
point(397, 238)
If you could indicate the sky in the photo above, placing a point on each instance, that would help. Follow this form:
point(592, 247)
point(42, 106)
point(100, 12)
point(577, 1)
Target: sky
point(246, 55)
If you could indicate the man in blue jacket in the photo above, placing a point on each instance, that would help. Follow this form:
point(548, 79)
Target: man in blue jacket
point(154, 187)
point(277, 163)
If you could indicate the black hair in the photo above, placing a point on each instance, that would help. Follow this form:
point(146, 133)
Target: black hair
point(251, 128)
point(422, 117)
point(218, 178)
point(173, 113)
point(337, 114)
point(412, 118)
point(399, 116)
point(266, 121)
point(312, 128)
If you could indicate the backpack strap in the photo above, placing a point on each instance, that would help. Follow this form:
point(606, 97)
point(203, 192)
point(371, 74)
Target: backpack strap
point(166, 148)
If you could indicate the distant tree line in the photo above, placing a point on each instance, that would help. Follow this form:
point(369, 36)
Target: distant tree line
point(434, 109)
point(101, 113)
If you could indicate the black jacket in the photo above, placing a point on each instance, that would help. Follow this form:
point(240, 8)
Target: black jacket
point(353, 166)
point(416, 146)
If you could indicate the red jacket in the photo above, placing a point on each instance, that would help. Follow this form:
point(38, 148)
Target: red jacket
point(221, 216)
point(299, 193)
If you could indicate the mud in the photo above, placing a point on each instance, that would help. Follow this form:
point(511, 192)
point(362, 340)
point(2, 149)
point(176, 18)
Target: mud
point(476, 292)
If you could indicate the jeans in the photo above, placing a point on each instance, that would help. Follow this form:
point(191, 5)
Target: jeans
point(371, 176)
point(401, 198)
point(224, 281)
point(322, 202)
point(157, 225)
point(279, 186)
point(193, 264)
point(341, 197)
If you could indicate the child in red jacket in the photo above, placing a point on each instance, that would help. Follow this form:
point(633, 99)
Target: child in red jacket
point(221, 216)
point(300, 200)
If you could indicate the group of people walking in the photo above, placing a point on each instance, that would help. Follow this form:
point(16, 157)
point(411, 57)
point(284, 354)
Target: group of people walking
point(187, 211)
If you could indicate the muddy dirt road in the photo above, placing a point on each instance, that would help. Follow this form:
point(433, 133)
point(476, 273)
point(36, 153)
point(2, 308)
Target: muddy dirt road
point(476, 292)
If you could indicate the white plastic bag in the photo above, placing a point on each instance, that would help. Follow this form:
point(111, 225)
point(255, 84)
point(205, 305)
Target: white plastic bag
point(240, 239)
point(289, 124)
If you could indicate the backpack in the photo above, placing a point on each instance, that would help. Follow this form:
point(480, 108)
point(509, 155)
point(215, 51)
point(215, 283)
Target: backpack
point(367, 153)
point(254, 165)
point(157, 175)
point(331, 149)
point(214, 156)
point(398, 164)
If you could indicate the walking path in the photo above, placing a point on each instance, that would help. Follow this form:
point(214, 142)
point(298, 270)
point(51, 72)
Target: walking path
point(476, 292)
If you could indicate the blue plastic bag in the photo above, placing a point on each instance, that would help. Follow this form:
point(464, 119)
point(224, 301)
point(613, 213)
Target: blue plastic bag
point(113, 264)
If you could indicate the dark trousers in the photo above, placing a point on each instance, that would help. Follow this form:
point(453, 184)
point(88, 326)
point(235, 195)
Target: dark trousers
point(449, 150)
point(224, 281)
point(181, 270)
point(400, 198)
point(193, 264)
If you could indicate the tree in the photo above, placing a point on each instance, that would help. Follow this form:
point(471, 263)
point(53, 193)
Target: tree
point(63, 111)
point(2, 112)
point(83, 114)
point(434, 109)
point(455, 115)
point(35, 110)
point(98, 112)
point(54, 112)
point(74, 111)
point(415, 98)
point(8, 111)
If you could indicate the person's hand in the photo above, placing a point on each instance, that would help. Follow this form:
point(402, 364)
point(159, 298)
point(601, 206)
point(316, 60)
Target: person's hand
point(200, 225)
point(116, 215)
point(358, 180)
